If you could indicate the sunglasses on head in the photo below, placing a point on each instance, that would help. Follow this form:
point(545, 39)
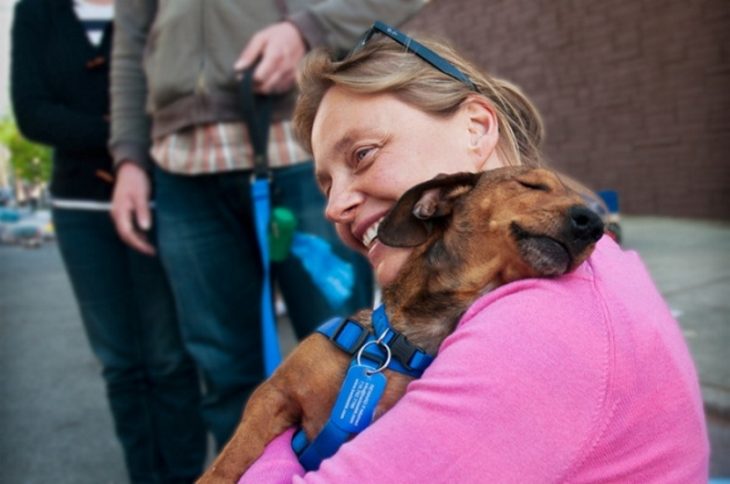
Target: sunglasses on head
point(416, 48)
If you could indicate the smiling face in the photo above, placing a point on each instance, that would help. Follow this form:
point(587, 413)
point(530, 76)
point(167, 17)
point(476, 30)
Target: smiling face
point(370, 149)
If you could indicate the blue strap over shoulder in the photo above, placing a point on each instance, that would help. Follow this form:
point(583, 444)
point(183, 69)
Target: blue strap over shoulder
point(372, 351)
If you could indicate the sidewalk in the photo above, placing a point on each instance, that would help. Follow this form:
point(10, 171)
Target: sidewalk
point(54, 418)
point(690, 263)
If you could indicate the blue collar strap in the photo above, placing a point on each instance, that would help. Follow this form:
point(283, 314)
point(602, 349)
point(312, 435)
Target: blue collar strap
point(324, 445)
point(349, 336)
point(386, 348)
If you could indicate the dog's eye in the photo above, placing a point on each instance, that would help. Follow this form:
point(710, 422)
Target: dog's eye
point(534, 186)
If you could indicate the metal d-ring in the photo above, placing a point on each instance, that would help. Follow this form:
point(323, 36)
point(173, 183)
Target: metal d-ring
point(388, 353)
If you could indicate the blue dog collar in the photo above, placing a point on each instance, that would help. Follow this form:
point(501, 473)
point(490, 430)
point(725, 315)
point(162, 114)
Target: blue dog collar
point(372, 352)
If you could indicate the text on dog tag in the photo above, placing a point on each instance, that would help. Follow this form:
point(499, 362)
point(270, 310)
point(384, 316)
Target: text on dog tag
point(360, 393)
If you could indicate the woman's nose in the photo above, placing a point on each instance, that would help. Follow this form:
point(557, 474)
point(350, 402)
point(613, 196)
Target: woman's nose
point(341, 205)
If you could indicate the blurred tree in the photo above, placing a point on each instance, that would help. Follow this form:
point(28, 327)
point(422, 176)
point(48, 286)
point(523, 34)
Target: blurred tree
point(31, 162)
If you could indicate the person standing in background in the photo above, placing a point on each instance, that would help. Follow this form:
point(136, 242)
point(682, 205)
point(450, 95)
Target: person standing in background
point(60, 93)
point(175, 94)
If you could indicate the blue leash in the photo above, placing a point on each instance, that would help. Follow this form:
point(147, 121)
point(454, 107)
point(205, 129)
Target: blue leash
point(256, 111)
point(269, 335)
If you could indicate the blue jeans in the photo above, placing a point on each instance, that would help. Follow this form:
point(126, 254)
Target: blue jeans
point(129, 316)
point(208, 245)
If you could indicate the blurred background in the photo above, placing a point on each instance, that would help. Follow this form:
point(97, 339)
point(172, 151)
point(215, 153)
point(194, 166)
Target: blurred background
point(636, 100)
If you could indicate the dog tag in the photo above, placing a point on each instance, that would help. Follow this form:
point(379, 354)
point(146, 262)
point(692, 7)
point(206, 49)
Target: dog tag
point(360, 393)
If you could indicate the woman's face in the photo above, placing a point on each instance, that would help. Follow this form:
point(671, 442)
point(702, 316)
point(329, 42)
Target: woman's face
point(370, 149)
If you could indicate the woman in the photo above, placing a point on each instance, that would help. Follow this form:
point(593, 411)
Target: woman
point(581, 378)
point(60, 85)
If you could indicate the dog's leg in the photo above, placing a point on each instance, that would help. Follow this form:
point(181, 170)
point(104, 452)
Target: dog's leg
point(301, 392)
point(268, 413)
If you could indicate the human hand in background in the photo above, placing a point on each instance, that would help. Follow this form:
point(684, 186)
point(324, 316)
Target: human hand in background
point(130, 207)
point(280, 47)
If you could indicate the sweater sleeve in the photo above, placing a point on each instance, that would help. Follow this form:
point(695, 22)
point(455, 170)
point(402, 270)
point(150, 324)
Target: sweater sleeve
point(40, 116)
point(515, 395)
point(278, 464)
point(339, 23)
point(130, 138)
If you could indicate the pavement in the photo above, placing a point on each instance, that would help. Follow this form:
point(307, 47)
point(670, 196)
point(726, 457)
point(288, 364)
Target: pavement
point(690, 263)
point(55, 423)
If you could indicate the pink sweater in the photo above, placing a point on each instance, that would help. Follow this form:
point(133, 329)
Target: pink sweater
point(585, 378)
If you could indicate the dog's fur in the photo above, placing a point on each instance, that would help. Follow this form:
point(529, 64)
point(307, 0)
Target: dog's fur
point(470, 233)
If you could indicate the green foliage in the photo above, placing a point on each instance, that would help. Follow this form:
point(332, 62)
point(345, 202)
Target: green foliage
point(31, 162)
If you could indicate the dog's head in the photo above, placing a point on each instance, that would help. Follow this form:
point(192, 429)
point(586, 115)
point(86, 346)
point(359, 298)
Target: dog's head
point(477, 230)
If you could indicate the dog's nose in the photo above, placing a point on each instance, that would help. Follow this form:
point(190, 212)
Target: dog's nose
point(585, 224)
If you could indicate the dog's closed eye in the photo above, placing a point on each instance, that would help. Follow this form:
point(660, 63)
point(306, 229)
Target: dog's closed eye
point(534, 186)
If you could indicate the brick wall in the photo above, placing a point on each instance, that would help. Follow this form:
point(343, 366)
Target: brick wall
point(635, 94)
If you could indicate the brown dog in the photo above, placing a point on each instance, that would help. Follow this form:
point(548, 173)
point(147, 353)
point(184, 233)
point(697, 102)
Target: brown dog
point(470, 233)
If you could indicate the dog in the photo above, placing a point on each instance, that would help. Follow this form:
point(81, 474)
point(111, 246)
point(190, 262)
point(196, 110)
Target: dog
point(470, 233)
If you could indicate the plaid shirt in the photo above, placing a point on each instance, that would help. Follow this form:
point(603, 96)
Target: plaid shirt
point(221, 147)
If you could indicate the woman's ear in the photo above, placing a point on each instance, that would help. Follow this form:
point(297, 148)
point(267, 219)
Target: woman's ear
point(482, 128)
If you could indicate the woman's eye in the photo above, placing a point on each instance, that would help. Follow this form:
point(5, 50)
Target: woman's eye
point(361, 154)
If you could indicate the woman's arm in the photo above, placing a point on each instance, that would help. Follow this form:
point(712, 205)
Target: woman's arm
point(514, 395)
point(40, 116)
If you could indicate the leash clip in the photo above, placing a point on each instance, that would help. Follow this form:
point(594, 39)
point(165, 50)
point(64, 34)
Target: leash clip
point(377, 342)
point(258, 176)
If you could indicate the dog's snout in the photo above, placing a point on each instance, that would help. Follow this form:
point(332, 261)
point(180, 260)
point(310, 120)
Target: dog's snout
point(585, 223)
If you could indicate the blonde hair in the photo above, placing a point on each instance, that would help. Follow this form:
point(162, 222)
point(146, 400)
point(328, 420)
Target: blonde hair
point(384, 66)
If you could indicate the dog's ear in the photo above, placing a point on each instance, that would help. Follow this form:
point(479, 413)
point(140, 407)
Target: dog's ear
point(409, 223)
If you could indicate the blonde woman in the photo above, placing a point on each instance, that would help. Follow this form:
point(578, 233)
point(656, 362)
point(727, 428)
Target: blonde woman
point(581, 378)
